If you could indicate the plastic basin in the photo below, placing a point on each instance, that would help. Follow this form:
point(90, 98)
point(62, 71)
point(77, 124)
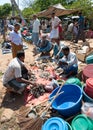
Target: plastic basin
point(89, 83)
point(55, 123)
point(73, 81)
point(82, 122)
point(69, 102)
point(89, 59)
point(69, 126)
point(89, 92)
point(87, 72)
point(86, 98)
point(89, 87)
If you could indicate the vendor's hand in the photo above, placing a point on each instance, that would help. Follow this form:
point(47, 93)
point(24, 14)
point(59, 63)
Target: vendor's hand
point(34, 84)
point(29, 72)
point(62, 63)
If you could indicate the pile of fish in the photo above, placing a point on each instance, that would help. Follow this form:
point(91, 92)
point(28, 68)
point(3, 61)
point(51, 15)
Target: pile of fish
point(38, 90)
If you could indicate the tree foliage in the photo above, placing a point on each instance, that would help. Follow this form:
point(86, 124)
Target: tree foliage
point(27, 12)
point(83, 5)
point(5, 10)
point(44, 4)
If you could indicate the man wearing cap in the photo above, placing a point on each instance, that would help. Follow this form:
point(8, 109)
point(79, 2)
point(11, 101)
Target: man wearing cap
point(69, 62)
point(16, 40)
point(55, 22)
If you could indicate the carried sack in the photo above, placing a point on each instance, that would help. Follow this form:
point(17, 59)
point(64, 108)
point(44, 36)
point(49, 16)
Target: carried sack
point(16, 85)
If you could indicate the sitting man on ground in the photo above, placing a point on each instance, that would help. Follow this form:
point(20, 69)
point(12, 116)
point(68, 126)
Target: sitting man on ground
point(69, 62)
point(16, 77)
point(44, 46)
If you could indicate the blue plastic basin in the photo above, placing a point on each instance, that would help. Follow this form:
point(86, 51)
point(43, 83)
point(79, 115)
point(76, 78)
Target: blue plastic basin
point(69, 126)
point(69, 102)
point(55, 123)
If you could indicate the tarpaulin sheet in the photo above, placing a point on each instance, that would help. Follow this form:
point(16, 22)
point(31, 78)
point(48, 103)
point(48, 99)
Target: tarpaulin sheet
point(29, 99)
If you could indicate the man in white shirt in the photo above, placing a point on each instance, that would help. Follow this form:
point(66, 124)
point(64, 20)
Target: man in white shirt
point(16, 40)
point(70, 27)
point(43, 26)
point(13, 78)
point(36, 30)
point(55, 22)
point(69, 62)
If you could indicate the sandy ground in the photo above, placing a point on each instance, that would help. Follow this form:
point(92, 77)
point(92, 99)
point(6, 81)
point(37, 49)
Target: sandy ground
point(8, 108)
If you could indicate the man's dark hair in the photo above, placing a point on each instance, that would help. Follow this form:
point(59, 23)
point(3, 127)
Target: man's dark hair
point(20, 54)
point(16, 24)
point(80, 13)
point(65, 48)
point(53, 13)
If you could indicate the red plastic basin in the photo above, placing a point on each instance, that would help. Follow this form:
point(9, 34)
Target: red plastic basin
point(87, 72)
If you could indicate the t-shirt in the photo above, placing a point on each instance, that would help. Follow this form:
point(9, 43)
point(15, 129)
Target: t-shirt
point(36, 26)
point(71, 59)
point(13, 70)
point(81, 22)
point(70, 27)
point(44, 26)
point(55, 21)
point(15, 38)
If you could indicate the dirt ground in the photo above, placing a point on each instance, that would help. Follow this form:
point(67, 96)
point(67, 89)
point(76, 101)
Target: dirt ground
point(8, 107)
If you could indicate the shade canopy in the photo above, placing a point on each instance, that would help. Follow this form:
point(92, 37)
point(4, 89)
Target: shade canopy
point(58, 9)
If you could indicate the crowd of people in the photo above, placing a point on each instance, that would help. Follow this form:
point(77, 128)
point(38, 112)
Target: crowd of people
point(14, 75)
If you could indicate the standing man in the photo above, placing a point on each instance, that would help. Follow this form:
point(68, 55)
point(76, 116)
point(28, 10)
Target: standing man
point(80, 28)
point(16, 40)
point(36, 30)
point(55, 22)
point(13, 78)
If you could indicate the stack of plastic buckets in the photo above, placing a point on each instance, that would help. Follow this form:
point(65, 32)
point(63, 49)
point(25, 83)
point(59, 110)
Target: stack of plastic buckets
point(87, 72)
point(88, 91)
point(56, 123)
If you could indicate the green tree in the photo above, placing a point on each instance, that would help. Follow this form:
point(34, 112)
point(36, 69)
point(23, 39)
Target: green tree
point(27, 12)
point(84, 5)
point(44, 4)
point(5, 10)
point(0, 11)
point(40, 5)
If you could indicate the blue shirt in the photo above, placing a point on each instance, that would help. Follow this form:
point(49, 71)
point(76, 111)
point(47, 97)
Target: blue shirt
point(81, 22)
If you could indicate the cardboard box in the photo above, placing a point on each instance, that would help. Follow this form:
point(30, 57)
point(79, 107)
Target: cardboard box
point(82, 55)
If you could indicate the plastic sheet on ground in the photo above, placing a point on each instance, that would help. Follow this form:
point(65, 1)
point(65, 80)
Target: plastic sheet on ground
point(29, 99)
